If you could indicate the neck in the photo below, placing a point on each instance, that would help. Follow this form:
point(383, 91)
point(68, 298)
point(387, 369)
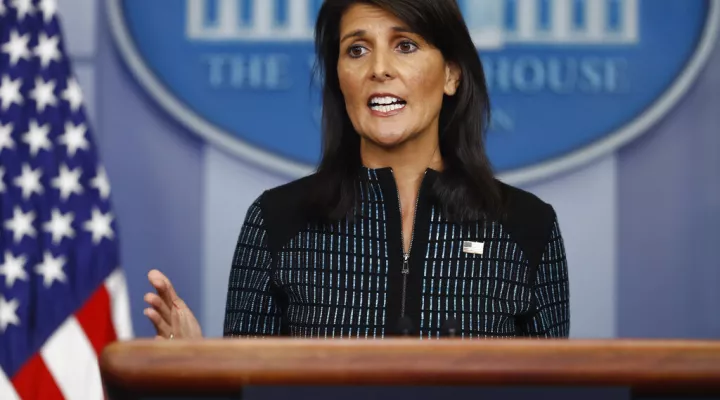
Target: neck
point(408, 161)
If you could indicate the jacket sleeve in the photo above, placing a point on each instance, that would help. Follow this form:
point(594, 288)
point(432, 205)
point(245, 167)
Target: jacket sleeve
point(251, 309)
point(551, 295)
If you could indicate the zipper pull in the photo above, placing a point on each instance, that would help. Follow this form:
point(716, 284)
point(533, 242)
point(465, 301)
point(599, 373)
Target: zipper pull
point(406, 264)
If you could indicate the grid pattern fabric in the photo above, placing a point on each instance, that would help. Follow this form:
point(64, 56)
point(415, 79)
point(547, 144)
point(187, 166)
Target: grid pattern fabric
point(334, 280)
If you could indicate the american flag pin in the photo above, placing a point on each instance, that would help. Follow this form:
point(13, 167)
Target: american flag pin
point(472, 247)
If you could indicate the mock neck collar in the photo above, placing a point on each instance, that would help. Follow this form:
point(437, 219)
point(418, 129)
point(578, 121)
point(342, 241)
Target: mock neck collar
point(387, 172)
point(365, 169)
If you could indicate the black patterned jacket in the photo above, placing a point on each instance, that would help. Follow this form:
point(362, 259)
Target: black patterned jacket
point(350, 279)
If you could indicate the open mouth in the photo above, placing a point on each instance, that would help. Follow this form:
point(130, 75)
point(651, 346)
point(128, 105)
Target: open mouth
point(385, 104)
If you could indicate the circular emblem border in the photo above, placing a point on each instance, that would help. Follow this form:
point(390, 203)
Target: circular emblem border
point(263, 158)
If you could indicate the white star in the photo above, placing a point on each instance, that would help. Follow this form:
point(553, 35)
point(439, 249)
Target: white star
point(59, 226)
point(47, 49)
point(10, 92)
point(2, 179)
point(49, 9)
point(37, 137)
point(29, 181)
point(17, 47)
point(101, 183)
point(43, 93)
point(6, 140)
point(74, 138)
point(73, 94)
point(13, 268)
point(99, 225)
point(24, 7)
point(2, 8)
point(8, 313)
point(51, 269)
point(68, 182)
point(21, 224)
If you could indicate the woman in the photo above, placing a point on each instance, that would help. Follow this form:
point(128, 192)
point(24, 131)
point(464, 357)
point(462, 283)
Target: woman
point(403, 230)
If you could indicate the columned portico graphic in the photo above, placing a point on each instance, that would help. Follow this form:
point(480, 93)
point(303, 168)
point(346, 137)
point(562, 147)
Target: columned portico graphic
point(492, 23)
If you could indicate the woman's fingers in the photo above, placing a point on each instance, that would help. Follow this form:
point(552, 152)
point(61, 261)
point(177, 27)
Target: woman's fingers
point(169, 313)
point(159, 305)
point(171, 294)
point(161, 314)
point(161, 326)
point(163, 286)
point(177, 322)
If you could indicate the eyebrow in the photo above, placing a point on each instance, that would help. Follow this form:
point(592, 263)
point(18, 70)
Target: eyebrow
point(362, 32)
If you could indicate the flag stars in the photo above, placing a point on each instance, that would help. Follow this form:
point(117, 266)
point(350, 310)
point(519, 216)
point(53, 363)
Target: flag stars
point(37, 137)
point(101, 183)
point(68, 182)
point(60, 226)
point(21, 224)
point(51, 269)
point(73, 94)
point(29, 181)
point(13, 269)
point(10, 92)
point(8, 313)
point(99, 226)
point(24, 8)
point(74, 138)
point(43, 94)
point(17, 47)
point(6, 140)
point(52, 188)
point(47, 49)
point(48, 8)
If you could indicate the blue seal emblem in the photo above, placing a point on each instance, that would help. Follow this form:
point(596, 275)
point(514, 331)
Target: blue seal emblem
point(570, 80)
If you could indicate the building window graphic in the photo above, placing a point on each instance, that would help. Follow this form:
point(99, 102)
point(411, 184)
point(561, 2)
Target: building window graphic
point(579, 19)
point(544, 15)
point(615, 12)
point(492, 23)
point(251, 19)
point(588, 22)
point(509, 10)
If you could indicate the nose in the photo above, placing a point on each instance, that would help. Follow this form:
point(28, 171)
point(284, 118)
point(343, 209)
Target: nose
point(381, 67)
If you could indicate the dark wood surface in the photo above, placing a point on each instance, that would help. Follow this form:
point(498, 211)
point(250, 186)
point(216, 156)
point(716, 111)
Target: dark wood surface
point(223, 366)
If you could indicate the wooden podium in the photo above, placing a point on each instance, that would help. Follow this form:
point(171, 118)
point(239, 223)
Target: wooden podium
point(226, 368)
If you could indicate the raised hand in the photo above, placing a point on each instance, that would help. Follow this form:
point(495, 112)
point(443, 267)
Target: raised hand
point(169, 313)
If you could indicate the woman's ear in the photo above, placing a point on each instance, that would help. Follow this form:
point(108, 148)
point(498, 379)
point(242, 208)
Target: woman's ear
point(452, 78)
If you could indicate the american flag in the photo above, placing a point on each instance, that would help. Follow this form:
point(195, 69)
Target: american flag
point(62, 293)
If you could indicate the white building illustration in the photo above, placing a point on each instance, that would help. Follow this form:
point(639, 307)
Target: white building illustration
point(492, 23)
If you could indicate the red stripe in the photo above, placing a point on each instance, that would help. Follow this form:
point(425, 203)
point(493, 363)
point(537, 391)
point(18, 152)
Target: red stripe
point(34, 381)
point(95, 317)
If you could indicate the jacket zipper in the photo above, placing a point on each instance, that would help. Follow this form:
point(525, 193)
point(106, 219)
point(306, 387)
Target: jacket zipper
point(406, 256)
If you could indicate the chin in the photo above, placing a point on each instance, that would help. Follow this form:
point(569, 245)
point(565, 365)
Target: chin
point(388, 139)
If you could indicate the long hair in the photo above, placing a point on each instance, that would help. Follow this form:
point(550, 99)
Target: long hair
point(466, 188)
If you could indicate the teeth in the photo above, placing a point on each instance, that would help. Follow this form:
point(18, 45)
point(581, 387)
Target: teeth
point(384, 100)
point(391, 107)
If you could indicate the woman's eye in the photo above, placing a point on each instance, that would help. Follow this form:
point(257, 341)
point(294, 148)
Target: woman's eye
point(407, 47)
point(356, 51)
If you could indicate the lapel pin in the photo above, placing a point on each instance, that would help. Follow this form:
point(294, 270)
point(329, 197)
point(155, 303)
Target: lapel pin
point(473, 247)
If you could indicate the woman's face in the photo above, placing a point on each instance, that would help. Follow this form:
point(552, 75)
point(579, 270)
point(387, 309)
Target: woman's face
point(392, 80)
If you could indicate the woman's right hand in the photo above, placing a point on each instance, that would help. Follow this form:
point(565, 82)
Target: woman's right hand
point(169, 313)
